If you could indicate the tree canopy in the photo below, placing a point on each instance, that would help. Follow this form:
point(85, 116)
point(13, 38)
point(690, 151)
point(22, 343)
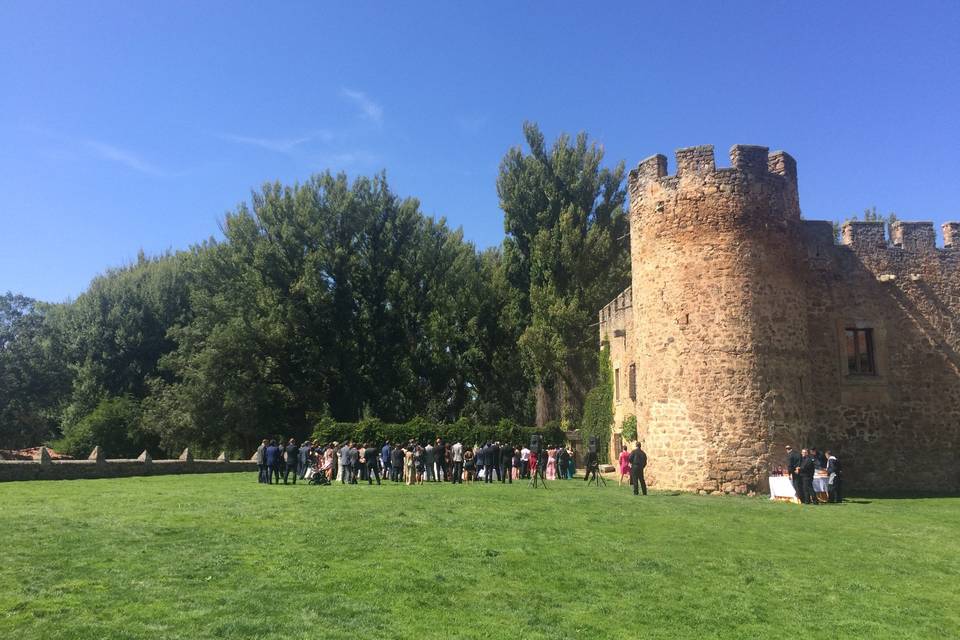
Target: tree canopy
point(566, 256)
point(329, 300)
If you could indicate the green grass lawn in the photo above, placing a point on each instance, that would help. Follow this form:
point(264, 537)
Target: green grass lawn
point(220, 556)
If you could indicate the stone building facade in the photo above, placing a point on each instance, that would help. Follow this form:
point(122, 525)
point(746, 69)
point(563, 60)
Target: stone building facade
point(747, 328)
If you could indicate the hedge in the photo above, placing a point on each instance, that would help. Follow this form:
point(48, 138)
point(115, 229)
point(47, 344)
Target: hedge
point(423, 431)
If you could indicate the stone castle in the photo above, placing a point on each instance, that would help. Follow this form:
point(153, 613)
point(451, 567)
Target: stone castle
point(747, 328)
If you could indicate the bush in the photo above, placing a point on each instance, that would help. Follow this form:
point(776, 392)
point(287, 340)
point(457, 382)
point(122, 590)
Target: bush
point(629, 429)
point(115, 426)
point(465, 430)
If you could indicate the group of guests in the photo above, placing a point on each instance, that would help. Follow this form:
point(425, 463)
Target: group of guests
point(808, 464)
point(411, 462)
point(280, 461)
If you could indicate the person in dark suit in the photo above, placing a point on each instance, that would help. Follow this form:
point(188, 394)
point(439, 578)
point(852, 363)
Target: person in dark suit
point(488, 463)
point(793, 463)
point(303, 458)
point(495, 461)
point(638, 461)
point(447, 461)
point(385, 459)
point(354, 463)
point(835, 482)
point(370, 455)
point(807, 466)
point(291, 459)
point(439, 450)
point(396, 464)
point(563, 462)
point(506, 464)
point(272, 456)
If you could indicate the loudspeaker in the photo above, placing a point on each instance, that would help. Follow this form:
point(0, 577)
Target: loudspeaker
point(535, 443)
point(593, 445)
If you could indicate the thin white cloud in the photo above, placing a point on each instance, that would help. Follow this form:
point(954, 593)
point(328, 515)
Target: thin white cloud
point(125, 157)
point(72, 148)
point(370, 109)
point(278, 145)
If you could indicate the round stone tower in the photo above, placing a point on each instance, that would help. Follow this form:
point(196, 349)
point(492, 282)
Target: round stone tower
point(720, 317)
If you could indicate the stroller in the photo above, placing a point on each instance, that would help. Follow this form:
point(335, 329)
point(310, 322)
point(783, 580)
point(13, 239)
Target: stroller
point(315, 476)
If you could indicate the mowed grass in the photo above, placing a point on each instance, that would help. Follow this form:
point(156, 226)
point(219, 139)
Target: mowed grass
point(220, 556)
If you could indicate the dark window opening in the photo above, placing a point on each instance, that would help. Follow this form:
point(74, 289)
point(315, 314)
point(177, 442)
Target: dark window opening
point(860, 360)
point(616, 385)
point(632, 381)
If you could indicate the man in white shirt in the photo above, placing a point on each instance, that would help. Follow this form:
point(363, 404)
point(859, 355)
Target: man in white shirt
point(525, 462)
point(456, 452)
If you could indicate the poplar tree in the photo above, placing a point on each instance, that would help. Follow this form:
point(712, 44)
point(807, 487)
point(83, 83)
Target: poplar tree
point(567, 255)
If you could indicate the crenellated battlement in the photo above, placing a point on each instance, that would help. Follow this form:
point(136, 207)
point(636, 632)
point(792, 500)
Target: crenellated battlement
point(951, 235)
point(913, 236)
point(756, 194)
point(905, 236)
point(617, 306)
point(746, 161)
point(863, 235)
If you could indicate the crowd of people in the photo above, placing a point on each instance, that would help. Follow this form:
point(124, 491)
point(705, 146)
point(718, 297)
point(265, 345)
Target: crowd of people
point(810, 467)
point(410, 462)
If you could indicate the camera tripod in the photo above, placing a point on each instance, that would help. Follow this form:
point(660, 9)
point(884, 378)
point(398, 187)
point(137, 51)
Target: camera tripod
point(597, 478)
point(538, 473)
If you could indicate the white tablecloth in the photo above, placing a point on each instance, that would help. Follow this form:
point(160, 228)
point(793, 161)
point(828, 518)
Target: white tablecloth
point(820, 484)
point(781, 487)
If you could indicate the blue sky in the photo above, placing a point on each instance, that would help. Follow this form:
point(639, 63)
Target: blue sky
point(134, 125)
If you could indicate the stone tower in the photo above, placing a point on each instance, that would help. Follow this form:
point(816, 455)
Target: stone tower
point(719, 316)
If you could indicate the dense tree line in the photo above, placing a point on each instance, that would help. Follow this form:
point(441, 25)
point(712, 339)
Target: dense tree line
point(330, 300)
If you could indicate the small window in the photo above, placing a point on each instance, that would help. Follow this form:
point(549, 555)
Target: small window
point(632, 381)
point(860, 360)
point(616, 385)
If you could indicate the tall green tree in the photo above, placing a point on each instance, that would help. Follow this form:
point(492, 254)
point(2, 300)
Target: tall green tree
point(33, 373)
point(566, 257)
point(328, 298)
point(114, 334)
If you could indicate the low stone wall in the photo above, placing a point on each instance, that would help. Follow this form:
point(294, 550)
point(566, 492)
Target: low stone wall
point(98, 467)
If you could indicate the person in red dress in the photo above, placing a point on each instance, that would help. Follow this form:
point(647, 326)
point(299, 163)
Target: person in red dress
point(624, 465)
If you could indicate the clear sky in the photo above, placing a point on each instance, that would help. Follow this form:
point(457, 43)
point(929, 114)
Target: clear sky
point(136, 125)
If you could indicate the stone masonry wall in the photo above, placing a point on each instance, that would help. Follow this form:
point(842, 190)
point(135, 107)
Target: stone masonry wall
point(12, 470)
point(718, 315)
point(899, 429)
point(736, 328)
point(616, 330)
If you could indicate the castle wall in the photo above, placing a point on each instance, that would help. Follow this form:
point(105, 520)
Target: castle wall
point(900, 428)
point(616, 330)
point(737, 328)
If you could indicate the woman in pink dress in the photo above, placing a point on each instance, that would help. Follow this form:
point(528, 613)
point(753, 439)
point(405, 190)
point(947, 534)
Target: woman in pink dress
point(624, 465)
point(552, 463)
point(327, 467)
